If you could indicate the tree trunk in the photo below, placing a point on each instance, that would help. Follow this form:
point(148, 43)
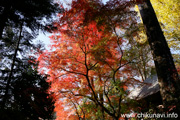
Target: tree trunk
point(166, 70)
point(11, 72)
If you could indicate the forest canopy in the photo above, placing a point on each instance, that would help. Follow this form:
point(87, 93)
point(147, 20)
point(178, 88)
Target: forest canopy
point(101, 53)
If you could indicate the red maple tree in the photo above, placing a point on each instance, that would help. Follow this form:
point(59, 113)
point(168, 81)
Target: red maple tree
point(86, 63)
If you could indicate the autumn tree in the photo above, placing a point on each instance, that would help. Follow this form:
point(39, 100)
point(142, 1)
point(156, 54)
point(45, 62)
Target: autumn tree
point(85, 69)
point(167, 12)
point(166, 71)
point(86, 62)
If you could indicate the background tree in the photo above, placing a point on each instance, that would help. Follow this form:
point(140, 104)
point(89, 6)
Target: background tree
point(16, 14)
point(27, 95)
point(167, 12)
point(139, 52)
point(31, 95)
point(31, 12)
point(16, 48)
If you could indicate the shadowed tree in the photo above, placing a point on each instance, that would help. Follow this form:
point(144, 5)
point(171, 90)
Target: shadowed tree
point(23, 13)
point(28, 96)
point(166, 71)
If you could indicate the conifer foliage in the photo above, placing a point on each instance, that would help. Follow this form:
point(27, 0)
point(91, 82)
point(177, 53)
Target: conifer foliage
point(24, 92)
point(31, 12)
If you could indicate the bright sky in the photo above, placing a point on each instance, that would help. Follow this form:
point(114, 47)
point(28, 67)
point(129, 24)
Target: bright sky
point(43, 37)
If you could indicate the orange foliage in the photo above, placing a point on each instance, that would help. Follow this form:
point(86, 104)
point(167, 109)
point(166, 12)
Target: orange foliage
point(83, 60)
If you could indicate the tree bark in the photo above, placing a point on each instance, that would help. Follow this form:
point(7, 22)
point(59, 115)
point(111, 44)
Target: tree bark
point(166, 71)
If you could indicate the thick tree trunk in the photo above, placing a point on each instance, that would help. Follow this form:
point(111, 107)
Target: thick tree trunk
point(167, 74)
